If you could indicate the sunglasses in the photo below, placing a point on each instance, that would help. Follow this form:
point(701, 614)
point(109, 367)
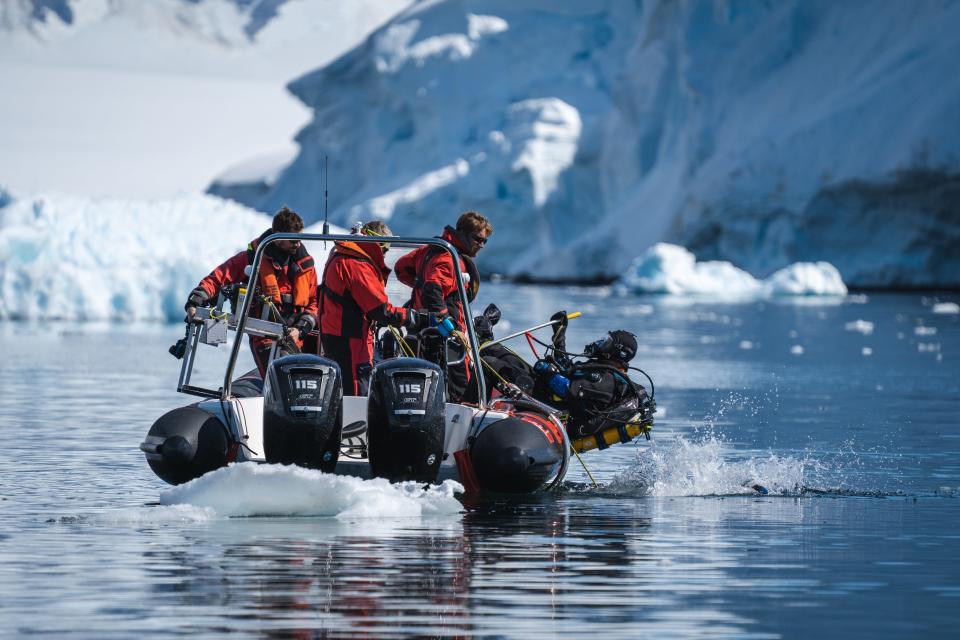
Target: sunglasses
point(478, 239)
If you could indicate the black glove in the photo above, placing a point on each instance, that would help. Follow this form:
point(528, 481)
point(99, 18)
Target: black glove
point(417, 319)
point(492, 314)
point(560, 330)
point(483, 328)
point(197, 299)
point(305, 324)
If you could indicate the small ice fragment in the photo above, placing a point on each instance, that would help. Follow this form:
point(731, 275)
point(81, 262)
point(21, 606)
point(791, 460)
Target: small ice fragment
point(793, 333)
point(925, 331)
point(858, 298)
point(746, 344)
point(796, 350)
point(946, 307)
point(867, 351)
point(863, 326)
point(707, 340)
point(928, 347)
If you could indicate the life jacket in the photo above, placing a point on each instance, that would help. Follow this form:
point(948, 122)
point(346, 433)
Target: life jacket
point(352, 320)
point(413, 267)
point(298, 271)
point(433, 251)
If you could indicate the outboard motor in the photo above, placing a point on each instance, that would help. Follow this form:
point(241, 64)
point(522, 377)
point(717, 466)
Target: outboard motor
point(302, 411)
point(518, 454)
point(405, 420)
point(185, 444)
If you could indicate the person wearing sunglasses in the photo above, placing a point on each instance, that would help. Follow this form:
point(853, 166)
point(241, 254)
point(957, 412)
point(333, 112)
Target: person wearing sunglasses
point(287, 281)
point(352, 298)
point(429, 271)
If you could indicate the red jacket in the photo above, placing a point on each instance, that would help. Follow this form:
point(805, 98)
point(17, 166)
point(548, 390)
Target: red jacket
point(290, 283)
point(352, 294)
point(429, 271)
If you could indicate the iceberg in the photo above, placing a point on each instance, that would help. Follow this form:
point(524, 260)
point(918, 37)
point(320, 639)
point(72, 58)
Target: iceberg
point(73, 258)
point(671, 269)
point(763, 134)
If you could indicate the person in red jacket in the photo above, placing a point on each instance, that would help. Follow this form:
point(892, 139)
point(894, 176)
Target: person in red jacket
point(352, 298)
point(429, 271)
point(287, 278)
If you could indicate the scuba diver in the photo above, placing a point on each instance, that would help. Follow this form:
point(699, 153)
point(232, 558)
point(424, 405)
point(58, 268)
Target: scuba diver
point(596, 392)
point(286, 288)
point(593, 388)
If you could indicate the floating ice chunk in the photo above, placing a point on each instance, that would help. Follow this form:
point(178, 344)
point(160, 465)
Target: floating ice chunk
point(249, 489)
point(946, 307)
point(928, 347)
point(479, 26)
point(867, 351)
point(860, 326)
point(925, 331)
point(746, 344)
point(668, 268)
point(807, 279)
point(796, 350)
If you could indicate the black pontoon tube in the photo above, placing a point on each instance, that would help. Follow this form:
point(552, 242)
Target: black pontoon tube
point(393, 240)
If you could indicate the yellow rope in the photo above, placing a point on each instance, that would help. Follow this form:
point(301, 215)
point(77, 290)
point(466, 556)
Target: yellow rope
point(403, 343)
point(589, 475)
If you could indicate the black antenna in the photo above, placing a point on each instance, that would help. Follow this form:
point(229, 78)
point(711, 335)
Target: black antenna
point(326, 209)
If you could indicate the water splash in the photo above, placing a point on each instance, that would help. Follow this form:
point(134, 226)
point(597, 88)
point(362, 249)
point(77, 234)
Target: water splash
point(708, 468)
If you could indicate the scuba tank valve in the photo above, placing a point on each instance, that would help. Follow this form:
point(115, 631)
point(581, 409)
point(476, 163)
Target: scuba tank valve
point(557, 382)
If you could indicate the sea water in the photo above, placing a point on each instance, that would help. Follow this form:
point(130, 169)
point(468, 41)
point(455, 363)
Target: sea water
point(845, 409)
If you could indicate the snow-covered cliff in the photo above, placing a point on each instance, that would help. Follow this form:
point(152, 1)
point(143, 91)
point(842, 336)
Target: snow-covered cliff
point(762, 133)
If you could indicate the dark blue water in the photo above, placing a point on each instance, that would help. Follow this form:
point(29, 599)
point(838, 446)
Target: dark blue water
point(855, 432)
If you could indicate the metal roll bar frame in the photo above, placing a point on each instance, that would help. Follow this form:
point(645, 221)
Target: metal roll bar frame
point(393, 240)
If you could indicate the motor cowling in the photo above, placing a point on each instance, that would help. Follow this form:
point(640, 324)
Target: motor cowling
point(302, 411)
point(186, 443)
point(518, 454)
point(405, 420)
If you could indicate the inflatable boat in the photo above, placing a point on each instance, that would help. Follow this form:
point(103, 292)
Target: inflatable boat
point(404, 429)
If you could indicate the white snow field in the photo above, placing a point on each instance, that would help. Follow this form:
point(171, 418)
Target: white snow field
point(139, 98)
point(759, 133)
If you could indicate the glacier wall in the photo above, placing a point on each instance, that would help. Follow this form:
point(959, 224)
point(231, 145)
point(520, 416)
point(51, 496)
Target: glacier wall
point(761, 133)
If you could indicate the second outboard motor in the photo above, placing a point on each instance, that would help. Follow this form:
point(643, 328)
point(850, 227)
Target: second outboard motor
point(302, 412)
point(405, 420)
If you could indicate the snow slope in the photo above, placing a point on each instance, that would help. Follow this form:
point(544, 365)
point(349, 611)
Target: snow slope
point(145, 99)
point(75, 258)
point(760, 133)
